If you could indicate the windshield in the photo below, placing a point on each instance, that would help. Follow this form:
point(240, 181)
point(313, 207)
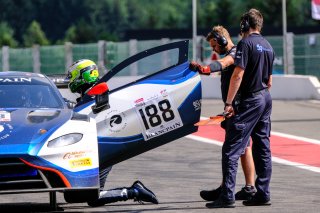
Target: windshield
point(28, 96)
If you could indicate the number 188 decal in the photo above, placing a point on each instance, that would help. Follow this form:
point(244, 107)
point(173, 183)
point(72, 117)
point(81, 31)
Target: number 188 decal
point(158, 117)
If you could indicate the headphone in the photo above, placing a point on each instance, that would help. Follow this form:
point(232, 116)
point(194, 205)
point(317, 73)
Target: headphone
point(222, 41)
point(245, 24)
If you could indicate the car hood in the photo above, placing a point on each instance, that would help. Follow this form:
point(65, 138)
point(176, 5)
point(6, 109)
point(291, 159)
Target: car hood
point(19, 128)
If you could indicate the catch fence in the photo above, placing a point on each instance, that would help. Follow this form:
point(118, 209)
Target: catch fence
point(303, 55)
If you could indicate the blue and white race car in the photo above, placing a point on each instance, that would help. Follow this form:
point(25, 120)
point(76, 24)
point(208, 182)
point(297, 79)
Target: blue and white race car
point(46, 146)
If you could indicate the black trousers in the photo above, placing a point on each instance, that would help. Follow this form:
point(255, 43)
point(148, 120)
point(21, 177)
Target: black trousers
point(252, 119)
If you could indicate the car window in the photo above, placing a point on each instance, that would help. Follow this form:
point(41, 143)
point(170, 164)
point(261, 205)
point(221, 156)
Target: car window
point(144, 67)
point(28, 96)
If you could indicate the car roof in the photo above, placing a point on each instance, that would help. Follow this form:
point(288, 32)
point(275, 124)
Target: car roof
point(20, 74)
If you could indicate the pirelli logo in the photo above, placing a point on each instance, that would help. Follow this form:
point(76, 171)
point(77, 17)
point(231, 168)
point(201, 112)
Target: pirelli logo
point(80, 162)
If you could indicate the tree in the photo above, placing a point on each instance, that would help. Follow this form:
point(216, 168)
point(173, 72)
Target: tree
point(6, 35)
point(35, 35)
point(80, 33)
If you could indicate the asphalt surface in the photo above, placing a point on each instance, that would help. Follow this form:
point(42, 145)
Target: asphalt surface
point(177, 171)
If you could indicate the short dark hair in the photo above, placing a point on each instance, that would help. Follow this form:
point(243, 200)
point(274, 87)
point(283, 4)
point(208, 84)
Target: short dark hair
point(254, 18)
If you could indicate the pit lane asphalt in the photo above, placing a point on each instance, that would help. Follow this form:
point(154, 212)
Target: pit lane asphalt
point(177, 171)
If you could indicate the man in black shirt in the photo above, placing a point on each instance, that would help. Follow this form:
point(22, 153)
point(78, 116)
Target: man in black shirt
point(221, 43)
point(251, 79)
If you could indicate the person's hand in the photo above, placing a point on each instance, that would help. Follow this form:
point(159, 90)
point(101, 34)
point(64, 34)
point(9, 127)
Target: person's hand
point(194, 66)
point(228, 110)
point(201, 69)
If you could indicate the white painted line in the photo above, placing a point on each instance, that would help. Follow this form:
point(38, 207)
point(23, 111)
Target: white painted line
point(309, 140)
point(298, 165)
point(274, 159)
point(204, 140)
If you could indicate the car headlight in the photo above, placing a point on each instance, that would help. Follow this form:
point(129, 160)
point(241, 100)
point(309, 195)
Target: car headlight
point(65, 140)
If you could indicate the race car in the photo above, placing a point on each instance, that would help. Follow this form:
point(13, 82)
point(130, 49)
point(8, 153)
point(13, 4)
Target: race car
point(47, 145)
point(44, 145)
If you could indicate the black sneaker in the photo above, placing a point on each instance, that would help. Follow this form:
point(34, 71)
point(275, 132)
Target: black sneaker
point(246, 193)
point(142, 193)
point(253, 201)
point(211, 195)
point(219, 203)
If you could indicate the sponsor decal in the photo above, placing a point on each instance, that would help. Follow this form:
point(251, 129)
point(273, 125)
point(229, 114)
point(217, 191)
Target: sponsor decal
point(197, 105)
point(20, 80)
point(164, 93)
point(72, 155)
point(5, 131)
point(260, 48)
point(238, 54)
point(138, 101)
point(116, 121)
point(80, 162)
point(163, 130)
point(5, 116)
point(152, 97)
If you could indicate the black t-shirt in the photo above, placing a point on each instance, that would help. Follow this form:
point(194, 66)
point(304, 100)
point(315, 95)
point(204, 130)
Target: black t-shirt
point(226, 75)
point(255, 55)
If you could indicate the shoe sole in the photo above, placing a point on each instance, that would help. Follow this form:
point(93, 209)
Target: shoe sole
point(233, 205)
point(217, 207)
point(258, 204)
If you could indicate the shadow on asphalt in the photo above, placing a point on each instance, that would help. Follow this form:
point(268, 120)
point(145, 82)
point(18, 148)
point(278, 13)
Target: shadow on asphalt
point(296, 120)
point(41, 207)
point(27, 207)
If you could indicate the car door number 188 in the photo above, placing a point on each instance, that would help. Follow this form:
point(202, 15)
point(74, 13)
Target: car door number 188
point(158, 116)
point(152, 115)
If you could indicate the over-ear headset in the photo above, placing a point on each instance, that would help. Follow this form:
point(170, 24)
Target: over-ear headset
point(222, 41)
point(245, 24)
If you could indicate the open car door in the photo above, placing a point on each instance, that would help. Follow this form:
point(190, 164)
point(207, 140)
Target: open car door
point(151, 110)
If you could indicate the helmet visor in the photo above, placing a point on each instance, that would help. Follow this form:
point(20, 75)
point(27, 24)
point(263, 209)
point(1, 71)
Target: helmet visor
point(90, 74)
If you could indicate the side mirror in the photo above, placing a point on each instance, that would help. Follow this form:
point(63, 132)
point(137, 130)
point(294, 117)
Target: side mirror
point(101, 93)
point(70, 104)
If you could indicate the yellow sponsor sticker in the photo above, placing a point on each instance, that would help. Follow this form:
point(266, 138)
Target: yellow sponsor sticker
point(80, 162)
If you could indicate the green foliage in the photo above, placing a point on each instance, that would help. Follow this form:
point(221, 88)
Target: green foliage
point(6, 35)
point(80, 33)
point(35, 35)
point(91, 20)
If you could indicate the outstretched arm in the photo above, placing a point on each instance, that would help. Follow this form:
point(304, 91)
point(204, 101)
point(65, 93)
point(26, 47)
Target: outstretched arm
point(215, 66)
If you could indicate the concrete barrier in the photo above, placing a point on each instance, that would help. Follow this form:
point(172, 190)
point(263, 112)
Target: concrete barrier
point(285, 87)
